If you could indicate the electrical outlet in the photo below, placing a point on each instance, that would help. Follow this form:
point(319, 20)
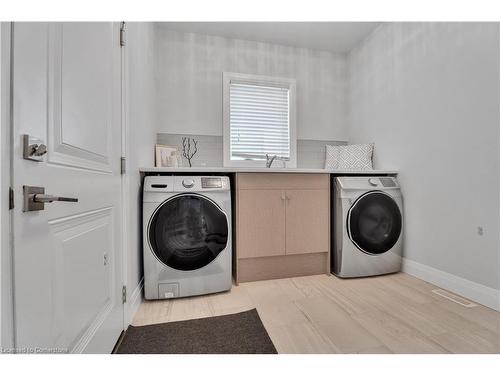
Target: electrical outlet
point(480, 231)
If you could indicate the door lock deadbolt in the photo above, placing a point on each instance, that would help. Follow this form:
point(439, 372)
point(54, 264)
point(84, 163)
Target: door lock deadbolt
point(33, 148)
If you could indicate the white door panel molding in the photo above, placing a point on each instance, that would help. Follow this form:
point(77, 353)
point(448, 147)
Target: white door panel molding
point(83, 275)
point(80, 73)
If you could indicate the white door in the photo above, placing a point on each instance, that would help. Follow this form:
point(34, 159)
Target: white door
point(68, 256)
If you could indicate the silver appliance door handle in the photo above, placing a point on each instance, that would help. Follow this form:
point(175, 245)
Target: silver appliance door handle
point(44, 198)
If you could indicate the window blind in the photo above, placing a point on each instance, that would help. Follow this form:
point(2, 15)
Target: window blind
point(259, 121)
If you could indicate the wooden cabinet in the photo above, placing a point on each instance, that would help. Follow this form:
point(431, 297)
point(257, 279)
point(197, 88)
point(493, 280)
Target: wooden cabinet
point(307, 221)
point(282, 225)
point(261, 223)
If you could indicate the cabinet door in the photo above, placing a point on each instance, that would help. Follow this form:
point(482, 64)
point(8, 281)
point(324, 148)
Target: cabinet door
point(307, 221)
point(261, 223)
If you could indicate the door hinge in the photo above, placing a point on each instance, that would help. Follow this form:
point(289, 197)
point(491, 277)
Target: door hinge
point(124, 294)
point(11, 198)
point(122, 165)
point(122, 34)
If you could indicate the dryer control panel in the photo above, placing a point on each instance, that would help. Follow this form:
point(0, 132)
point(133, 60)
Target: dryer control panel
point(367, 183)
point(388, 182)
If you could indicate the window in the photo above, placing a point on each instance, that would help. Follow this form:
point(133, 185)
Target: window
point(259, 119)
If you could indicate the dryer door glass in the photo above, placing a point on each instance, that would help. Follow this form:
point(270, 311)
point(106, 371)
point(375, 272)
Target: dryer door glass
point(374, 222)
point(188, 231)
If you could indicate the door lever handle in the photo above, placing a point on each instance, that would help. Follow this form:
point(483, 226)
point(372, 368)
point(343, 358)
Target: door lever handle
point(34, 198)
point(44, 198)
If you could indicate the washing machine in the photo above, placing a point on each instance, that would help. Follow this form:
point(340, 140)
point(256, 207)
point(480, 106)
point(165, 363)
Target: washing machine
point(187, 235)
point(367, 226)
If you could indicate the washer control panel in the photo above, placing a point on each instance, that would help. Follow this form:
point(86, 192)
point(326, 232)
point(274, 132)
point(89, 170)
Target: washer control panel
point(188, 183)
point(201, 183)
point(211, 183)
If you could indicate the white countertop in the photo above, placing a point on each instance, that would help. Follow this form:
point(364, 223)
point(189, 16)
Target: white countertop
point(263, 170)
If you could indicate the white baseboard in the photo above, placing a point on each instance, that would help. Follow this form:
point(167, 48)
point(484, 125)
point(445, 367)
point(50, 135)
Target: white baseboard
point(479, 293)
point(135, 301)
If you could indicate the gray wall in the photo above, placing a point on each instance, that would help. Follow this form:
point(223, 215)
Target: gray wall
point(427, 94)
point(141, 126)
point(189, 71)
point(6, 290)
point(310, 154)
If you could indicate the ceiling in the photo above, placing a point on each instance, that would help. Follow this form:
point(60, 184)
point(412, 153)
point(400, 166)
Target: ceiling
point(330, 36)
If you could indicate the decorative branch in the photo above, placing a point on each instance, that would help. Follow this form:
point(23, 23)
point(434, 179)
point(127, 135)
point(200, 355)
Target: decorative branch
point(186, 148)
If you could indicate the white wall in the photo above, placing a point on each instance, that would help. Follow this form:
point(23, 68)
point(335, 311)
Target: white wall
point(189, 82)
point(427, 94)
point(1, 182)
point(141, 137)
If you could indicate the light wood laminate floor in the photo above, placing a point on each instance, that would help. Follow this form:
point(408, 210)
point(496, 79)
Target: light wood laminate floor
point(324, 314)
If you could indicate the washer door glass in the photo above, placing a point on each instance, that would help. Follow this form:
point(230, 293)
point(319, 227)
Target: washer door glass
point(188, 231)
point(374, 223)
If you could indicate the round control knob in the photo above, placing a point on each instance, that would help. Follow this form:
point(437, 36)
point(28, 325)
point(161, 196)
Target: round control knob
point(188, 183)
point(373, 181)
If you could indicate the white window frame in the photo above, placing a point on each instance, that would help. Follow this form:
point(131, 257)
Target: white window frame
point(252, 79)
